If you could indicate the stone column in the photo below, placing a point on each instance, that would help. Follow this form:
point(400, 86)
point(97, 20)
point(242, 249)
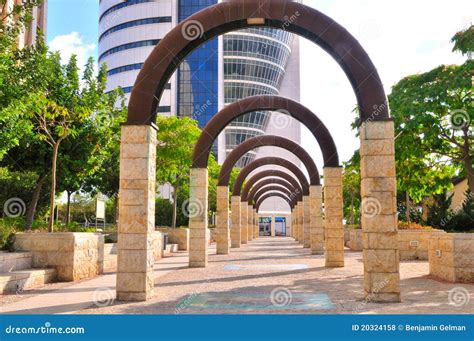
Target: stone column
point(292, 223)
point(272, 226)
point(135, 279)
point(255, 223)
point(316, 220)
point(296, 212)
point(243, 223)
point(379, 212)
point(301, 222)
point(197, 210)
point(333, 210)
point(235, 235)
point(222, 226)
point(250, 224)
point(306, 222)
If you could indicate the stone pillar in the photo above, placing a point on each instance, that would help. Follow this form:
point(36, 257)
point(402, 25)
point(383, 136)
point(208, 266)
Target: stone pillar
point(333, 215)
point(379, 212)
point(222, 226)
point(306, 222)
point(255, 223)
point(272, 226)
point(197, 211)
point(243, 223)
point(235, 237)
point(316, 220)
point(292, 223)
point(250, 224)
point(300, 222)
point(296, 211)
point(135, 279)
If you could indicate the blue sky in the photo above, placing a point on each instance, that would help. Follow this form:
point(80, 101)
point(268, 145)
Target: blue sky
point(402, 37)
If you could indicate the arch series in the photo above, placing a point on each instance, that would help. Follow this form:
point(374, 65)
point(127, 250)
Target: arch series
point(137, 172)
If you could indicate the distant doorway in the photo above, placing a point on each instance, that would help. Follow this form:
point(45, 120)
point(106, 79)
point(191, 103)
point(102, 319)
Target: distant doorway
point(280, 226)
point(265, 226)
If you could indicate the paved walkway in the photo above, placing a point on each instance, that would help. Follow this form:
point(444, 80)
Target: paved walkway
point(266, 276)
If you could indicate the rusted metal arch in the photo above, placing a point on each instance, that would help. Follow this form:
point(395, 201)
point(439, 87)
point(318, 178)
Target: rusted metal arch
point(268, 140)
point(269, 173)
point(274, 194)
point(270, 160)
point(264, 184)
point(266, 189)
point(270, 103)
point(233, 15)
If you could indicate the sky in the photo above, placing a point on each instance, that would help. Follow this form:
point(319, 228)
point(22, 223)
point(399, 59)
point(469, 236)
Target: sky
point(402, 37)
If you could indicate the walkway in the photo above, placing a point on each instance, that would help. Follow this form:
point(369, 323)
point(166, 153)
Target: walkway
point(266, 276)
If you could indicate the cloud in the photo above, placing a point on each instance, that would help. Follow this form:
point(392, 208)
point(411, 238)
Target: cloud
point(70, 44)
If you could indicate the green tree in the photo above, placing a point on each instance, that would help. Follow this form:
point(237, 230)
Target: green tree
point(434, 116)
point(464, 41)
point(351, 189)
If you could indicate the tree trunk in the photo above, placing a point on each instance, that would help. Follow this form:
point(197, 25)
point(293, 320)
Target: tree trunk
point(407, 196)
point(468, 160)
point(175, 206)
point(30, 215)
point(53, 186)
point(116, 212)
point(68, 208)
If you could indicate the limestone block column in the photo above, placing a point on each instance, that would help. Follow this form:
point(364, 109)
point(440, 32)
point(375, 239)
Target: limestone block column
point(222, 225)
point(135, 280)
point(235, 235)
point(255, 223)
point(250, 224)
point(379, 212)
point(292, 223)
point(301, 222)
point(272, 226)
point(198, 220)
point(306, 222)
point(316, 220)
point(243, 223)
point(333, 209)
point(296, 222)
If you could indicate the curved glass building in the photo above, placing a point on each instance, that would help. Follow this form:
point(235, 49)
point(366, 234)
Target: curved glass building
point(255, 61)
point(239, 64)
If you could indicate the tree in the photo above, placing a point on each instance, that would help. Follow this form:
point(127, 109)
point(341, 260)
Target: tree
point(434, 117)
point(176, 140)
point(464, 41)
point(351, 189)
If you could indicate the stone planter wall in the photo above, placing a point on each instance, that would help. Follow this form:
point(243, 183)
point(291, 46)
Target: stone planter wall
point(347, 237)
point(451, 257)
point(413, 244)
point(178, 236)
point(355, 240)
point(75, 256)
point(157, 245)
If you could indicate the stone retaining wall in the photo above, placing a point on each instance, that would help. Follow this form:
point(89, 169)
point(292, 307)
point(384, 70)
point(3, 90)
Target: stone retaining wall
point(178, 236)
point(75, 256)
point(451, 257)
point(355, 240)
point(413, 244)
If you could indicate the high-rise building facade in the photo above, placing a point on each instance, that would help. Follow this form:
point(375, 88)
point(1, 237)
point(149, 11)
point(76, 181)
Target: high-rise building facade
point(239, 64)
point(37, 24)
